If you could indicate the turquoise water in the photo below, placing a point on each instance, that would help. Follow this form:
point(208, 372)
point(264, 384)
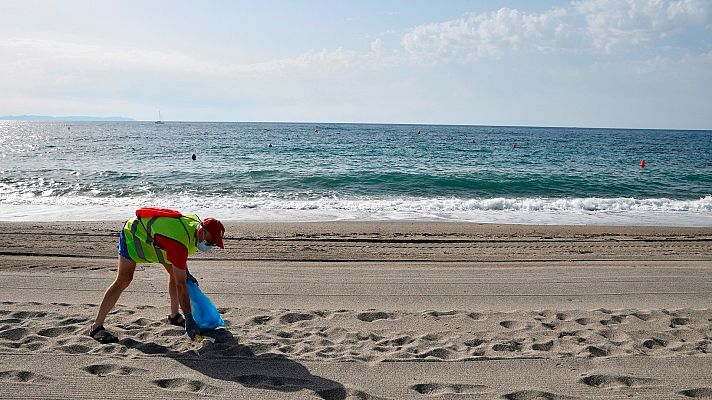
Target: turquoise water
point(353, 171)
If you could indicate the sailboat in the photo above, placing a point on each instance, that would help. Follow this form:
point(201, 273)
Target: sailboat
point(160, 121)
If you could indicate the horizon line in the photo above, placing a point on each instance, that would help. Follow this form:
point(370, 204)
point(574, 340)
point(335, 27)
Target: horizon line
point(70, 118)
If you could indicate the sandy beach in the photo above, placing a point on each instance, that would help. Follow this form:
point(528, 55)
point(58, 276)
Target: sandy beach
point(369, 310)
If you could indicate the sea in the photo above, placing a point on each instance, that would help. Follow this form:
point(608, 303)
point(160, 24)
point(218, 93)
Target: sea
point(56, 171)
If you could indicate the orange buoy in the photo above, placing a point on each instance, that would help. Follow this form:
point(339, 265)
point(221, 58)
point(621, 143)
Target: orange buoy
point(642, 164)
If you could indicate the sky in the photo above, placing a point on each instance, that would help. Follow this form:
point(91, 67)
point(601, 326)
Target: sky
point(587, 63)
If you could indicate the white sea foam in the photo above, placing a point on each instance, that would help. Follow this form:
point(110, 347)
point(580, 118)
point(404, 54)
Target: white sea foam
point(567, 211)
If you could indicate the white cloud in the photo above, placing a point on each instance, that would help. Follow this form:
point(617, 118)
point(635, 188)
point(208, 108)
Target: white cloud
point(613, 22)
point(586, 24)
point(49, 63)
point(60, 76)
point(488, 34)
point(80, 60)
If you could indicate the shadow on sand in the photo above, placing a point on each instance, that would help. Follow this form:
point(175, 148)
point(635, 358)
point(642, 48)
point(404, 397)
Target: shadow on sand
point(228, 360)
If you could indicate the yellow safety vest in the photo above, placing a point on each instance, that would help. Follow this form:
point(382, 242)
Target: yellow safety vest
point(142, 247)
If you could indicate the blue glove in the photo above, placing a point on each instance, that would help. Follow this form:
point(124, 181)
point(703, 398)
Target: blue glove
point(191, 328)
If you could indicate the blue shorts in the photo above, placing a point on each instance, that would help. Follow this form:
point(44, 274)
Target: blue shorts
point(123, 250)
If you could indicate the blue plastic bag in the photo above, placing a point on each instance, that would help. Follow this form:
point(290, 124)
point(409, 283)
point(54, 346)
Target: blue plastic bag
point(204, 312)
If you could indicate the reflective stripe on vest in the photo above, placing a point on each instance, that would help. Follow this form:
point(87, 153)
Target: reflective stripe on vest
point(137, 243)
point(152, 241)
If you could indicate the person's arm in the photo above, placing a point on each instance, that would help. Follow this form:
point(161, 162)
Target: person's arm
point(180, 275)
point(178, 256)
point(182, 290)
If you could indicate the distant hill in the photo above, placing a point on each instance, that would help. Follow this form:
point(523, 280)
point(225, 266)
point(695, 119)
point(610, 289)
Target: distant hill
point(67, 118)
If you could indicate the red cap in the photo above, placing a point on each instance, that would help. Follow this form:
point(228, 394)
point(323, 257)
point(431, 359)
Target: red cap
point(216, 229)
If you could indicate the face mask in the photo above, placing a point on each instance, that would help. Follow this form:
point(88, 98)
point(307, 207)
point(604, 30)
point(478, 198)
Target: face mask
point(204, 247)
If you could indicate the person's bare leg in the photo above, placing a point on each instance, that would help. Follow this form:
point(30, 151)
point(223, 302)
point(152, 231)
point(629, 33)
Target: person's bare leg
point(124, 275)
point(172, 291)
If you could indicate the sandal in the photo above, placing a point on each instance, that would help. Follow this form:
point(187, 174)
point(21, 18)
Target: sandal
point(101, 335)
point(177, 320)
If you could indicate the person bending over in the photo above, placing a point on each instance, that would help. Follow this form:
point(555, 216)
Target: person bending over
point(166, 240)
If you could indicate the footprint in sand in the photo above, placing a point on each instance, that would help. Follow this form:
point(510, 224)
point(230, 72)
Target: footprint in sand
point(438, 353)
point(535, 395)
point(142, 322)
point(28, 314)
point(260, 319)
point(474, 342)
point(13, 334)
point(614, 336)
point(111, 369)
point(550, 325)
point(562, 316)
point(654, 343)
point(440, 389)
point(513, 324)
point(34, 346)
point(285, 334)
point(56, 332)
point(546, 346)
point(678, 322)
point(185, 385)
point(596, 351)
point(615, 381)
point(476, 316)
point(396, 342)
point(698, 393)
point(440, 313)
point(507, 346)
point(74, 320)
point(584, 321)
point(18, 376)
point(290, 318)
point(74, 349)
point(642, 316)
point(373, 316)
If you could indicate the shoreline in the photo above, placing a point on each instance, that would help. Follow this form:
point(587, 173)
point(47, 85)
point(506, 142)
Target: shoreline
point(388, 222)
point(515, 211)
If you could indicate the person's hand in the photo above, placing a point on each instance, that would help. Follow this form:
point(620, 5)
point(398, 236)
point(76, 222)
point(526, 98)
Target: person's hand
point(191, 327)
point(190, 277)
